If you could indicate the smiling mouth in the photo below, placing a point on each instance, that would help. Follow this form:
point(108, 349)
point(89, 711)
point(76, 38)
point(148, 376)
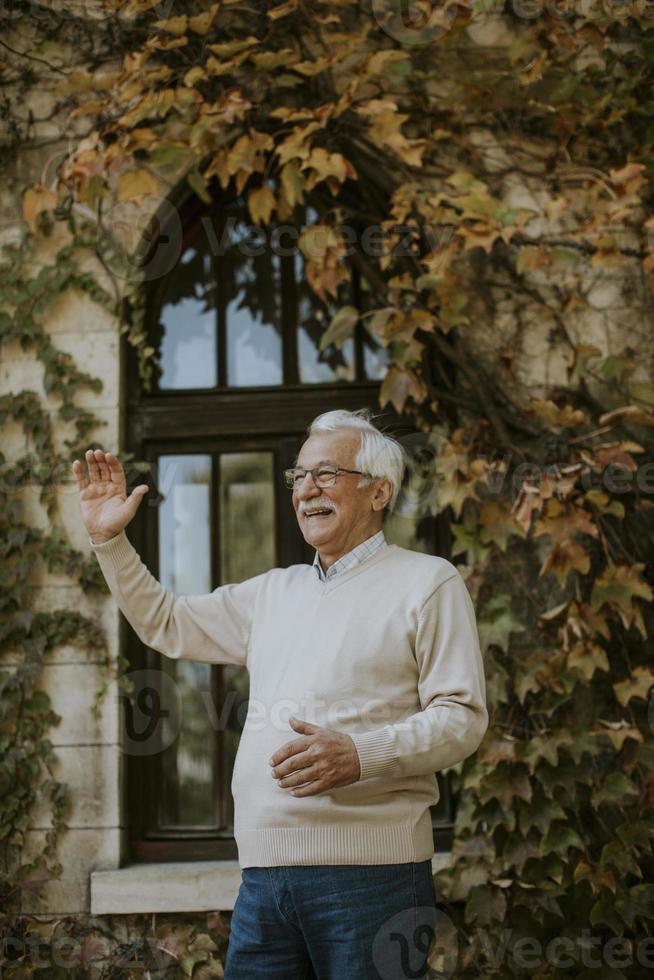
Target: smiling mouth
point(317, 514)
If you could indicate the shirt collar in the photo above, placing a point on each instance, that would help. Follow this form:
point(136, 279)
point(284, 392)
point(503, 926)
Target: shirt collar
point(366, 549)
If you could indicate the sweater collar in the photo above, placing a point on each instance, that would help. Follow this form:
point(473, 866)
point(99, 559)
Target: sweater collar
point(366, 549)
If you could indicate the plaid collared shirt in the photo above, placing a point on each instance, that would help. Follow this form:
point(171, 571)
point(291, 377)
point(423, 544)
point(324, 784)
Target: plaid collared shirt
point(359, 554)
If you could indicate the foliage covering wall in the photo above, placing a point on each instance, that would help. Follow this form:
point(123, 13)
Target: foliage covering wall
point(505, 151)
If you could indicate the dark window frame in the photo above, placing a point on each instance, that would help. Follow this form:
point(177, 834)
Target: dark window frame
point(238, 418)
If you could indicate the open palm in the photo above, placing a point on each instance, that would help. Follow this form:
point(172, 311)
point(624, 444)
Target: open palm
point(106, 508)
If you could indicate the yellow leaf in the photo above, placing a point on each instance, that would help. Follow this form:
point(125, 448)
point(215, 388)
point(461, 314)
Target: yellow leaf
point(340, 328)
point(35, 200)
point(193, 75)
point(564, 557)
point(292, 183)
point(325, 165)
point(555, 416)
point(135, 184)
point(311, 68)
point(201, 23)
point(229, 48)
point(617, 732)
point(295, 145)
point(380, 60)
point(636, 686)
point(498, 524)
point(173, 25)
point(157, 43)
point(398, 386)
point(283, 10)
point(385, 131)
point(88, 109)
point(267, 60)
point(586, 658)
point(261, 203)
point(219, 166)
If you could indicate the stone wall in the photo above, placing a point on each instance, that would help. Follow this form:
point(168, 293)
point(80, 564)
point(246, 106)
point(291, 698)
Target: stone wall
point(618, 314)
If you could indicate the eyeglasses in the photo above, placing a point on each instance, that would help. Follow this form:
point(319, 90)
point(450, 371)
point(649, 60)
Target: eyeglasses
point(322, 476)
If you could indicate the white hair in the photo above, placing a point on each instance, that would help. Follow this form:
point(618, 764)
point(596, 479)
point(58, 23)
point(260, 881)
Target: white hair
point(380, 455)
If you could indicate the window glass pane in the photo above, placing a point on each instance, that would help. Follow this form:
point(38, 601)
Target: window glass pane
point(249, 273)
point(247, 548)
point(188, 319)
point(376, 359)
point(188, 790)
point(247, 515)
point(254, 349)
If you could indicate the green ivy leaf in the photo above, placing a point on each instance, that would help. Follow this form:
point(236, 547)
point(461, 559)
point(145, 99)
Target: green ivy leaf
point(616, 789)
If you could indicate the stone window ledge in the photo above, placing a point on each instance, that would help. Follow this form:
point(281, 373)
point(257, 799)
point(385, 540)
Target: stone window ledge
point(176, 886)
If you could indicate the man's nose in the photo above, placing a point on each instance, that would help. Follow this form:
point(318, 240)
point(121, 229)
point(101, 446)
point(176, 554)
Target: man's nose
point(307, 488)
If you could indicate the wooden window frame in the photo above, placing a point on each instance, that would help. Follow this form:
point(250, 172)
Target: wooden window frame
point(240, 418)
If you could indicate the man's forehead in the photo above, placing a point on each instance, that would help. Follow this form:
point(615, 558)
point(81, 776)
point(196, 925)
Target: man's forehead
point(336, 448)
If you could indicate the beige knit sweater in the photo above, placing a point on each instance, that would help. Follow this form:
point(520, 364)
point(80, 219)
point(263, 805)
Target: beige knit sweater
point(386, 651)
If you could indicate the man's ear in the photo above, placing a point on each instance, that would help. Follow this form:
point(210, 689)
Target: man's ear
point(382, 494)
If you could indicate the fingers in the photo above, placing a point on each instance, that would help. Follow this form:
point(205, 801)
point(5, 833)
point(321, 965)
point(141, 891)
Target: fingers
point(311, 789)
point(78, 473)
point(92, 466)
point(103, 467)
point(308, 775)
point(286, 751)
point(116, 472)
point(303, 760)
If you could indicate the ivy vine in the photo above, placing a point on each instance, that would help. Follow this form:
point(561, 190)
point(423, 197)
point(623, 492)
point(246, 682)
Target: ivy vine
point(515, 172)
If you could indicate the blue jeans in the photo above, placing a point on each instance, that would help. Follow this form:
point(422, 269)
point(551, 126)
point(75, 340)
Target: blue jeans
point(332, 922)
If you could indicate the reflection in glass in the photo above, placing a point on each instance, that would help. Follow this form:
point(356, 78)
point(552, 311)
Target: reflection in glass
point(332, 364)
point(188, 319)
point(254, 350)
point(249, 275)
point(247, 519)
point(247, 548)
point(188, 790)
point(316, 365)
point(376, 359)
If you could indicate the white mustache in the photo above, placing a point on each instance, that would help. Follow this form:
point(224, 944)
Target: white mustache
point(316, 505)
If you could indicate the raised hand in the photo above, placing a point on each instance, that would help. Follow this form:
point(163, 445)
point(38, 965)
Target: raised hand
point(106, 508)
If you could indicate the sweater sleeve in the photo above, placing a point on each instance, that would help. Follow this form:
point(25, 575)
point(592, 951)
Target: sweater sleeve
point(452, 692)
point(212, 628)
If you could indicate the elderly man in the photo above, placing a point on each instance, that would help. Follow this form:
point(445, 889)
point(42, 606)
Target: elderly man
point(378, 644)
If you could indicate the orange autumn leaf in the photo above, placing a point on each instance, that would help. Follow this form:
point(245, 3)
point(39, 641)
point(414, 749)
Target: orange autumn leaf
point(35, 200)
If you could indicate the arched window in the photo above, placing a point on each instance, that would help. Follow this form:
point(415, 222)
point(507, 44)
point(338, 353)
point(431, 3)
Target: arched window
point(241, 377)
